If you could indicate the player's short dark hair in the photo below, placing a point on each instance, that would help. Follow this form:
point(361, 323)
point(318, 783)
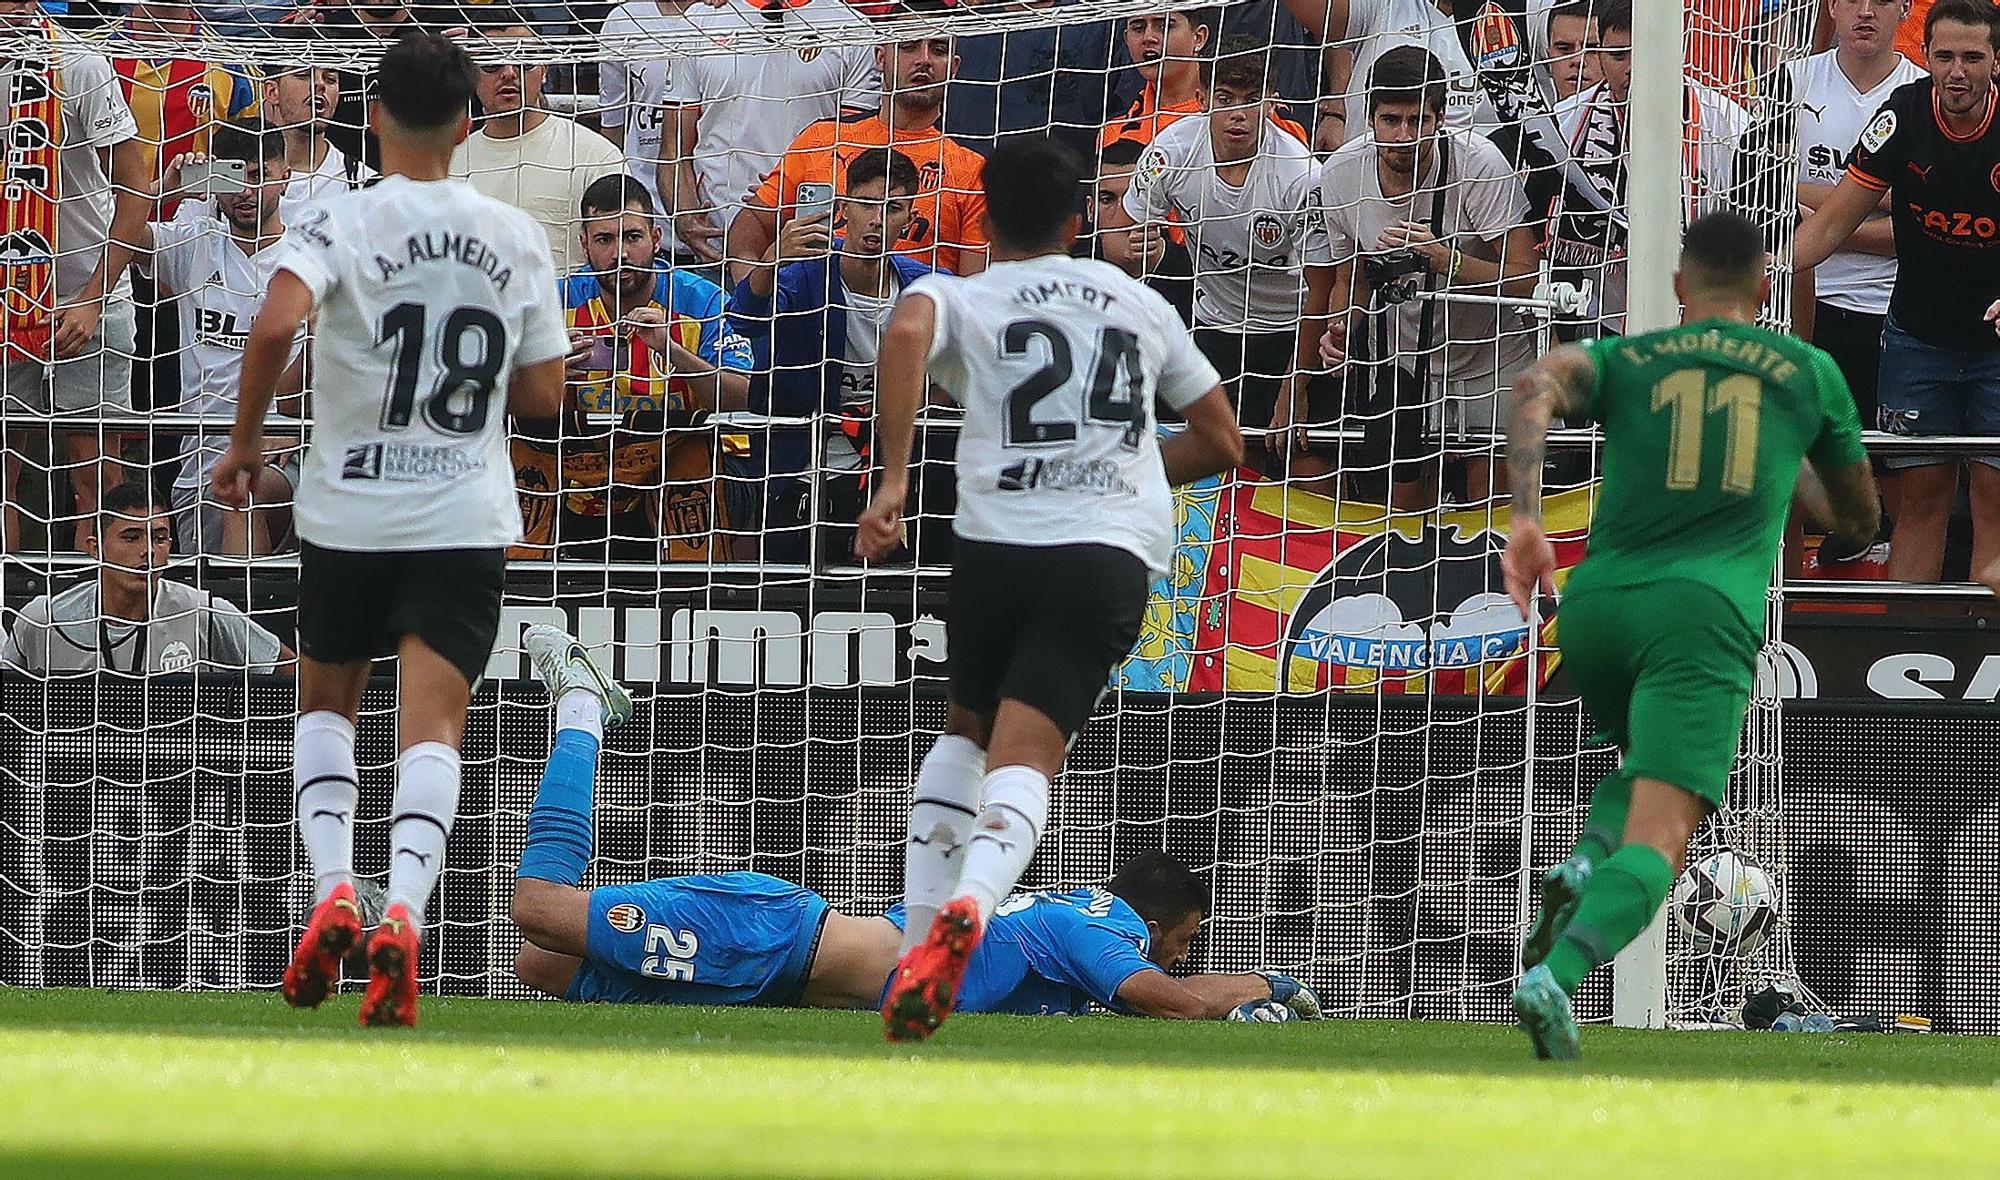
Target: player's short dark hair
point(425, 82)
point(1583, 8)
point(252, 145)
point(1407, 73)
point(1723, 250)
point(134, 497)
point(1976, 13)
point(1120, 153)
point(491, 18)
point(1240, 63)
point(1614, 16)
point(614, 194)
point(891, 167)
point(1033, 187)
point(1160, 889)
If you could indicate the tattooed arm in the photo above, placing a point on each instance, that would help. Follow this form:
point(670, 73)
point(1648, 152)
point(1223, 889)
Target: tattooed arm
point(1555, 386)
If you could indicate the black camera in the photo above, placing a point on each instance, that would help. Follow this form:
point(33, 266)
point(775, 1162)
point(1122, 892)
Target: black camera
point(1396, 274)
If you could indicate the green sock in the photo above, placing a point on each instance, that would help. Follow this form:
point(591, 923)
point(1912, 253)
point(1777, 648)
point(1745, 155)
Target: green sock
point(1604, 826)
point(1621, 898)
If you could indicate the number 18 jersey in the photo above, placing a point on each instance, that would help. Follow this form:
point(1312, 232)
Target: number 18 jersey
point(1059, 363)
point(1705, 426)
point(428, 297)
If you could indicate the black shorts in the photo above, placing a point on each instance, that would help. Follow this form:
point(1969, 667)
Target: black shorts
point(1252, 365)
point(1854, 340)
point(359, 605)
point(1042, 625)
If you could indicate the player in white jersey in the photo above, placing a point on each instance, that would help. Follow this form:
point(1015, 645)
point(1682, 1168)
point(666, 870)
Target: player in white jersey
point(1837, 93)
point(214, 260)
point(1241, 188)
point(1064, 518)
point(436, 317)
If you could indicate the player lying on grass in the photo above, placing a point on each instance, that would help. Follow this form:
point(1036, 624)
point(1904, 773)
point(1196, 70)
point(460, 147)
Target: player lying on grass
point(1705, 428)
point(745, 938)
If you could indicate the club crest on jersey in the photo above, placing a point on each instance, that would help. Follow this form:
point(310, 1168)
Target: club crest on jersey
point(808, 52)
point(1267, 230)
point(625, 918)
point(1496, 44)
point(1993, 178)
point(1879, 131)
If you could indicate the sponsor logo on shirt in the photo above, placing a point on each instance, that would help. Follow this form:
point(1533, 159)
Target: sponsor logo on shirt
point(1955, 225)
point(408, 462)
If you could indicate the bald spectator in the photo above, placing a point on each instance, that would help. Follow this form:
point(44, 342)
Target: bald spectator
point(521, 153)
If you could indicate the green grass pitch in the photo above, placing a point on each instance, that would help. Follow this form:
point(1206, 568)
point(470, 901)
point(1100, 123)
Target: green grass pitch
point(171, 1085)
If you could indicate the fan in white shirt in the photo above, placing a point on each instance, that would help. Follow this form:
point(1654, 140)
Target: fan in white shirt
point(213, 261)
point(1370, 28)
point(1834, 95)
point(1241, 189)
point(733, 114)
point(632, 89)
point(1449, 205)
point(1588, 243)
point(299, 101)
point(522, 154)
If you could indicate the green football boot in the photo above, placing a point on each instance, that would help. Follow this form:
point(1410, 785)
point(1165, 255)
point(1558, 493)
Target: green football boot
point(1543, 1007)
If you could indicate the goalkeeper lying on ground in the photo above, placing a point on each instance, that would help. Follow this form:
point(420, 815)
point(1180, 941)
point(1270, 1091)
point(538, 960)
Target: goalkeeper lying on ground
point(745, 938)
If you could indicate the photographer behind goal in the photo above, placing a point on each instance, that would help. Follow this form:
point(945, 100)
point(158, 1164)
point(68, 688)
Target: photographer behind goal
point(1410, 209)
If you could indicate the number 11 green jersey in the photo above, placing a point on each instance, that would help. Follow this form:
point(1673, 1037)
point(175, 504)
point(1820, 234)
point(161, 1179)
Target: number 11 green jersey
point(1705, 426)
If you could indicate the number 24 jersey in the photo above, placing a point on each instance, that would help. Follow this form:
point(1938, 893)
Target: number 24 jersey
point(429, 296)
point(1058, 362)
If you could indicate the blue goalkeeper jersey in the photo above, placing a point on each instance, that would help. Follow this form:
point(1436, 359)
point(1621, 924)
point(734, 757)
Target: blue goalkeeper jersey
point(1053, 954)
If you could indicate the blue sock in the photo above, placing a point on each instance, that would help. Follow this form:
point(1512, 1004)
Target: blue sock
point(560, 832)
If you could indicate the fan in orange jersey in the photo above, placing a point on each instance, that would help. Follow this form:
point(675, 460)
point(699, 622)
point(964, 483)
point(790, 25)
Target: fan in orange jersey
point(948, 230)
point(1167, 51)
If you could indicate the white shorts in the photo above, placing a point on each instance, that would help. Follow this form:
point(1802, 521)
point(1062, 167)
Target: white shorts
point(198, 519)
point(100, 379)
point(1469, 407)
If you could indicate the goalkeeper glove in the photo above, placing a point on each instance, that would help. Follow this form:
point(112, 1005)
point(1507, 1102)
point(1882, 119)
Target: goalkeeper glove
point(1295, 996)
point(1261, 1012)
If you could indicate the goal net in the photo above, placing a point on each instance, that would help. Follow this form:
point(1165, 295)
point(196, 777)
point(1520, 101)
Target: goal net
point(1331, 711)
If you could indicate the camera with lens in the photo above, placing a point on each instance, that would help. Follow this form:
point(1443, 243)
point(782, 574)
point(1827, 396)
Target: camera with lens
point(1396, 274)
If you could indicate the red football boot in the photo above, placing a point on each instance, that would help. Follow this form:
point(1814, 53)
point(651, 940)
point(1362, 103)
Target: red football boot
point(924, 987)
point(392, 971)
point(315, 967)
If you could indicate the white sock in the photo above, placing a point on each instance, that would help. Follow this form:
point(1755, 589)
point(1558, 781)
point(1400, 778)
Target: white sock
point(1015, 811)
point(942, 808)
point(328, 790)
point(580, 708)
point(426, 803)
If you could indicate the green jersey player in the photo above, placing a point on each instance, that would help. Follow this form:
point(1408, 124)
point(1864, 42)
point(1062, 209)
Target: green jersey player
point(1705, 429)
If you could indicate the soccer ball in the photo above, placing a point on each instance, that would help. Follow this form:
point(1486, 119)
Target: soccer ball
point(1726, 905)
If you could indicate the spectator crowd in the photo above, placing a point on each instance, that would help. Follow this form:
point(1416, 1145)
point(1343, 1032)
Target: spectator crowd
point(1355, 204)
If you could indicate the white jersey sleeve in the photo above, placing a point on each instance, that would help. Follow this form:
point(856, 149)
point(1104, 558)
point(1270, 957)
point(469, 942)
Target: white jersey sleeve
point(1060, 364)
point(174, 257)
point(1149, 197)
point(429, 297)
point(27, 645)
